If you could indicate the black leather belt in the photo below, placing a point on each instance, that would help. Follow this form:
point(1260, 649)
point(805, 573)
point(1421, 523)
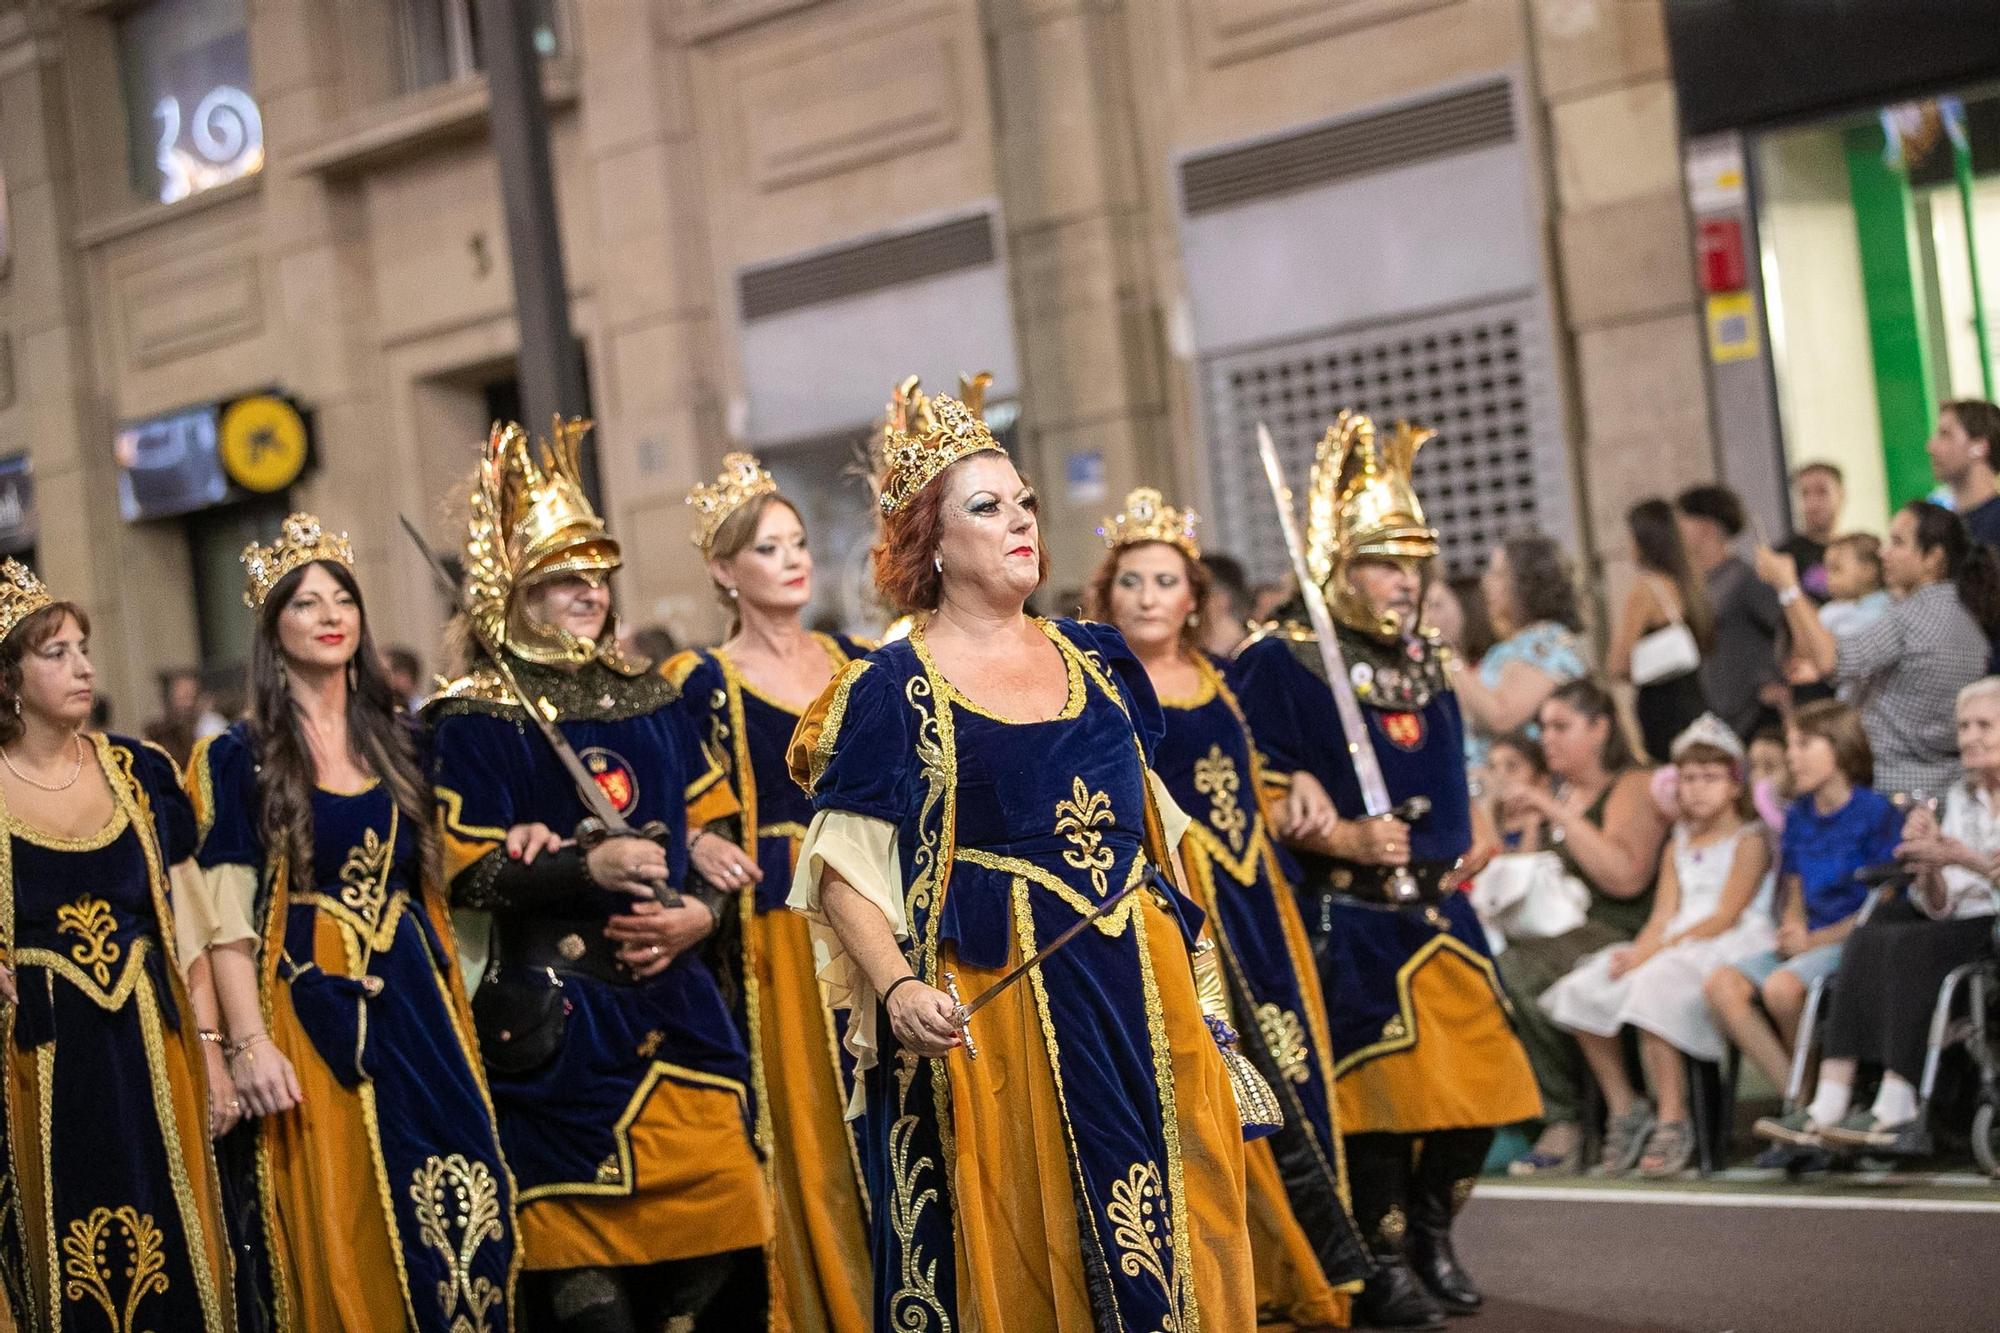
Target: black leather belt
point(1370, 884)
point(562, 946)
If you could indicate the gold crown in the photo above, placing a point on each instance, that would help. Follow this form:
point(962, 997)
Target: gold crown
point(21, 595)
point(1361, 505)
point(923, 436)
point(300, 542)
point(530, 523)
point(1149, 518)
point(741, 480)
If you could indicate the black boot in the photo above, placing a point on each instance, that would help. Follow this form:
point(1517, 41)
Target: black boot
point(1447, 1166)
point(1378, 1173)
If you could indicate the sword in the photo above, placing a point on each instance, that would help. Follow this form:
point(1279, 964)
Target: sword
point(1021, 969)
point(604, 820)
point(1402, 885)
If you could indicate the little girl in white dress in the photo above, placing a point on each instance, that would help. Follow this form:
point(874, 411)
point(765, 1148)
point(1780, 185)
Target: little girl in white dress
point(1711, 908)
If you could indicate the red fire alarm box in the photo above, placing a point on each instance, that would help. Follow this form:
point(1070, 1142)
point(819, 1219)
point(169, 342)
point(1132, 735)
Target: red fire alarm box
point(1719, 242)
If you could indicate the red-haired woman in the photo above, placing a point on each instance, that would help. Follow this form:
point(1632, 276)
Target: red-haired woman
point(979, 788)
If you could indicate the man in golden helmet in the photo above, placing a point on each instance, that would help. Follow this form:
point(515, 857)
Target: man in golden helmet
point(1426, 1062)
point(622, 1087)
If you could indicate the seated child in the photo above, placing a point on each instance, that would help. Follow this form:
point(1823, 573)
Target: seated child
point(1837, 825)
point(1708, 911)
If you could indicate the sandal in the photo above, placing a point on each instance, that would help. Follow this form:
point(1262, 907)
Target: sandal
point(1669, 1149)
point(1625, 1138)
point(1539, 1163)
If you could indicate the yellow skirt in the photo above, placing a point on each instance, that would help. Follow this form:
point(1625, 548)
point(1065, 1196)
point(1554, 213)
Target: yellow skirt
point(822, 1238)
point(698, 1189)
point(1020, 1263)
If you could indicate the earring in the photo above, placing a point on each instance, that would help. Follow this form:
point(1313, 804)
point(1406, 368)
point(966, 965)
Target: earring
point(1194, 619)
point(731, 592)
point(17, 708)
point(937, 563)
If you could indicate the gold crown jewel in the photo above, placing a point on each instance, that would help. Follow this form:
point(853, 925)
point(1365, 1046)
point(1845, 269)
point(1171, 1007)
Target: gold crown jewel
point(924, 436)
point(1361, 505)
point(531, 523)
point(741, 480)
point(21, 595)
point(301, 541)
point(1147, 517)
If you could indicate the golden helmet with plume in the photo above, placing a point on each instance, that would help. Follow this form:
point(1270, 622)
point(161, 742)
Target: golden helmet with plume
point(532, 524)
point(1361, 505)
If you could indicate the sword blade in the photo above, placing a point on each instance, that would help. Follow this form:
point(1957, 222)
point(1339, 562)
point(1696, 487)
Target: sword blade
point(1046, 952)
point(1360, 746)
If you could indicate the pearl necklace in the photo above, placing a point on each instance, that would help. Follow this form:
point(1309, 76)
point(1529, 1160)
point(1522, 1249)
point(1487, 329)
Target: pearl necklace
point(74, 773)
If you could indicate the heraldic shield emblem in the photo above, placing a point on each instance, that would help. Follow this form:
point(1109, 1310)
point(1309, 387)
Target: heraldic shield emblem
point(613, 777)
point(1404, 730)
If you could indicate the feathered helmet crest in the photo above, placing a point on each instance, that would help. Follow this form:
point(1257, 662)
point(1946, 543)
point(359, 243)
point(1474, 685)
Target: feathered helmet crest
point(1361, 505)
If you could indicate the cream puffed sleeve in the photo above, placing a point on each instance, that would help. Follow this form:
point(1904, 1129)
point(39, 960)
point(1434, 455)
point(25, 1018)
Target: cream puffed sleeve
point(862, 850)
point(220, 900)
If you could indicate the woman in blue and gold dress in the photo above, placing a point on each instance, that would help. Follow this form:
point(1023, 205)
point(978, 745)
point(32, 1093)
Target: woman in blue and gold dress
point(386, 1204)
point(622, 1083)
point(110, 1210)
point(747, 695)
point(1151, 586)
point(978, 787)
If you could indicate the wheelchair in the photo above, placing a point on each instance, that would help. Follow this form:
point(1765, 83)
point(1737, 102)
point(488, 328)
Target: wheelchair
point(1976, 1028)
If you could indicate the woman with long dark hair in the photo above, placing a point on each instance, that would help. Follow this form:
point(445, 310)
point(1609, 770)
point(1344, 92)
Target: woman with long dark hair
point(1908, 666)
point(746, 696)
point(1151, 585)
point(1664, 627)
point(114, 1216)
point(386, 1202)
point(1531, 599)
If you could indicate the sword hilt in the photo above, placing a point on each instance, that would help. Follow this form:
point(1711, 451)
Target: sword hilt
point(961, 1016)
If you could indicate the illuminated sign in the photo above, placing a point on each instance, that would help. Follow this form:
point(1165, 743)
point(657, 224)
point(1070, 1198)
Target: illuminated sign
point(203, 456)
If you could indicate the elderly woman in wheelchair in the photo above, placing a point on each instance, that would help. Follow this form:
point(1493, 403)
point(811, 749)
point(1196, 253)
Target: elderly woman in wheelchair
point(1893, 1004)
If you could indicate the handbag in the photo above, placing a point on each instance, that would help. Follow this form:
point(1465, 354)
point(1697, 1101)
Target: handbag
point(1529, 896)
point(520, 1021)
point(1668, 653)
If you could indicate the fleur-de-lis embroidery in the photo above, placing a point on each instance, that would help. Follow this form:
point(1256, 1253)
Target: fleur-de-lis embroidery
point(90, 1266)
point(91, 921)
point(364, 878)
point(1078, 820)
point(1215, 777)
point(1285, 1038)
point(458, 1210)
point(1139, 1228)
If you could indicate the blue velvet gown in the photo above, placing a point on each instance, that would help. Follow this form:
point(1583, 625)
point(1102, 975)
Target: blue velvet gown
point(633, 1145)
point(1085, 1171)
point(110, 1211)
point(1420, 1028)
point(1243, 880)
point(385, 1194)
point(822, 1209)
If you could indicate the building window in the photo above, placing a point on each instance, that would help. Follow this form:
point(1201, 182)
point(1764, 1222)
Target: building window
point(189, 117)
point(438, 40)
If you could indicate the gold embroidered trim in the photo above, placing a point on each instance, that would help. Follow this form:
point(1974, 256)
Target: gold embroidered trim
point(620, 1160)
point(1072, 665)
point(1078, 819)
point(455, 1197)
point(89, 918)
point(1112, 923)
point(90, 1267)
point(1187, 1309)
point(1215, 777)
point(1400, 1032)
point(56, 842)
point(914, 1305)
point(1134, 1208)
point(836, 713)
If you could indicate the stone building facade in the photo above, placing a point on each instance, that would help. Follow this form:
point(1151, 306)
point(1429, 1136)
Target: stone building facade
point(1155, 220)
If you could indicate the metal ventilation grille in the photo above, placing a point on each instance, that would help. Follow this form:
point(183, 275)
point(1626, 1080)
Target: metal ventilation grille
point(869, 266)
point(1455, 123)
point(1479, 377)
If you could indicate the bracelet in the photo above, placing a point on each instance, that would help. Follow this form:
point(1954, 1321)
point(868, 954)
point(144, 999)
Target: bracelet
point(1786, 596)
point(703, 832)
point(243, 1047)
point(908, 976)
point(212, 1036)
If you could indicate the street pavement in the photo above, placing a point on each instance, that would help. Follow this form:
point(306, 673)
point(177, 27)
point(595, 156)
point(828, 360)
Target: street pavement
point(1746, 1253)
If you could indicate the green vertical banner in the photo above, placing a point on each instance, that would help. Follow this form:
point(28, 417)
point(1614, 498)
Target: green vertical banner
point(1898, 322)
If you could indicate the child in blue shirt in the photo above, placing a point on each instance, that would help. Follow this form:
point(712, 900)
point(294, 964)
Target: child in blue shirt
point(1837, 825)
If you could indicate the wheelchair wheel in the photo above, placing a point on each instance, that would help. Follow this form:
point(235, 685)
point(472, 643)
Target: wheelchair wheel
point(1986, 1137)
